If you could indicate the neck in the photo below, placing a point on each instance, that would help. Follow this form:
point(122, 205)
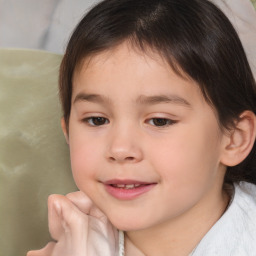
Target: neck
point(179, 236)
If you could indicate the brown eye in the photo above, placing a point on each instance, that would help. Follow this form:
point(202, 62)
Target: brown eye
point(96, 121)
point(161, 121)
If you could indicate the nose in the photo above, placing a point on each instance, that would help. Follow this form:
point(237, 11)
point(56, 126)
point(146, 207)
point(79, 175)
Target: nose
point(124, 147)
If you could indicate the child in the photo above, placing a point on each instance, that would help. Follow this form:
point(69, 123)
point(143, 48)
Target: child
point(159, 113)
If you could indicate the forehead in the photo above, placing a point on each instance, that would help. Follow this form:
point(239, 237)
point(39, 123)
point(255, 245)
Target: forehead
point(127, 68)
point(128, 50)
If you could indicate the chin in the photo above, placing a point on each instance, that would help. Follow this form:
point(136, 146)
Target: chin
point(128, 223)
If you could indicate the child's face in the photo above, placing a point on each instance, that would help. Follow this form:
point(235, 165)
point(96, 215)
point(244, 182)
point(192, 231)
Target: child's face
point(151, 128)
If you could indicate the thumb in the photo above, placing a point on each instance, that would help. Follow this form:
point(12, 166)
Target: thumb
point(85, 205)
point(65, 218)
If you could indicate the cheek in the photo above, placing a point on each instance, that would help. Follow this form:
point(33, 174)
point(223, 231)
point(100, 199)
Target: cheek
point(84, 160)
point(188, 168)
point(188, 159)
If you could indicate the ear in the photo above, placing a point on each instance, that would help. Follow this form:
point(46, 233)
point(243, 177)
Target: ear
point(64, 129)
point(240, 140)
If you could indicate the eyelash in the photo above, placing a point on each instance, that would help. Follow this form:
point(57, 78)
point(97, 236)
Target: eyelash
point(91, 120)
point(99, 121)
point(163, 122)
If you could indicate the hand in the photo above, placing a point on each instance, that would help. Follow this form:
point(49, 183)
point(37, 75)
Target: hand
point(79, 228)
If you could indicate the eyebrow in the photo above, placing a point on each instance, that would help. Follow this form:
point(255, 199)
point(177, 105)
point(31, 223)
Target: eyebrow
point(142, 99)
point(158, 99)
point(90, 98)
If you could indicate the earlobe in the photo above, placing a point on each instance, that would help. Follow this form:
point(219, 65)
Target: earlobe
point(240, 140)
point(64, 129)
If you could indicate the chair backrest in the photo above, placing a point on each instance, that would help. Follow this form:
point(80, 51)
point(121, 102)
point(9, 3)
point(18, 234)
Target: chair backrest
point(34, 157)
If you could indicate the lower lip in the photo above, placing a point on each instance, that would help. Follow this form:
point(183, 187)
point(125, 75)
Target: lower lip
point(128, 194)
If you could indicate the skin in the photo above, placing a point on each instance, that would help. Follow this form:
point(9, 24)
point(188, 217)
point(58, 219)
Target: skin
point(184, 155)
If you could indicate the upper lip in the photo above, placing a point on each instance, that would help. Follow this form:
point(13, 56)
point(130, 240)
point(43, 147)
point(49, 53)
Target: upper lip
point(126, 182)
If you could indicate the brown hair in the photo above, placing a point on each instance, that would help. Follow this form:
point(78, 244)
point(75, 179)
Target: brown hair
point(192, 35)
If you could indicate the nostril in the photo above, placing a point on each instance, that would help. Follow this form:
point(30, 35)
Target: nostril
point(130, 158)
point(112, 159)
point(122, 159)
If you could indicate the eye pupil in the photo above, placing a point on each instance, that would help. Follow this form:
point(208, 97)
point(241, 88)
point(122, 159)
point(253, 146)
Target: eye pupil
point(98, 120)
point(160, 121)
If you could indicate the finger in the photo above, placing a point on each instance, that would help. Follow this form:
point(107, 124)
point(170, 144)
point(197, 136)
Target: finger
point(85, 204)
point(81, 201)
point(46, 251)
point(65, 217)
point(55, 217)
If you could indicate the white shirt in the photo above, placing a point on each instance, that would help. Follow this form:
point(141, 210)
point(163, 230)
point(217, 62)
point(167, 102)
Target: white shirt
point(234, 234)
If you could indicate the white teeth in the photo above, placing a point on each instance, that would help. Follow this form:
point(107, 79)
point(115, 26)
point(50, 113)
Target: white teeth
point(120, 185)
point(129, 186)
point(126, 186)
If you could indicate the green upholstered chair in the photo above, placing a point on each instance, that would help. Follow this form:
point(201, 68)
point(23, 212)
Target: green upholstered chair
point(34, 158)
point(254, 3)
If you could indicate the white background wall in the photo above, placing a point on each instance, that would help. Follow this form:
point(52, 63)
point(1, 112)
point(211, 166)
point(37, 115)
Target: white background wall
point(39, 24)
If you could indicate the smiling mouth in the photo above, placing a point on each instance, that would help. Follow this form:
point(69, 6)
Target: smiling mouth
point(127, 186)
point(127, 189)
